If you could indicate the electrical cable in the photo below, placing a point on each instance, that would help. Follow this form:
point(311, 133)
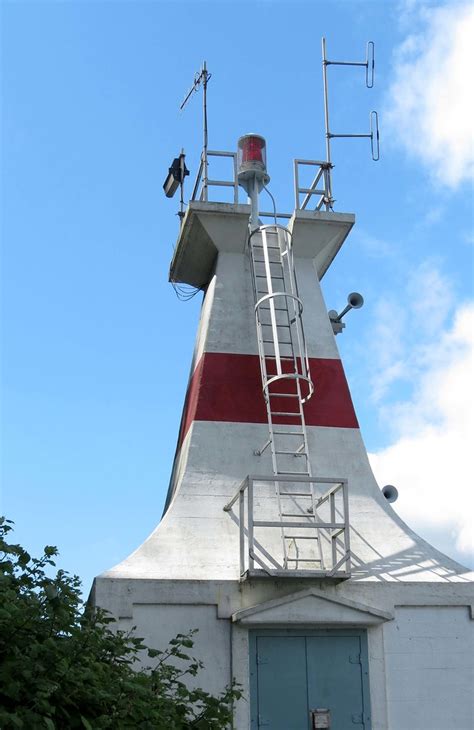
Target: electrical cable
point(184, 292)
point(273, 202)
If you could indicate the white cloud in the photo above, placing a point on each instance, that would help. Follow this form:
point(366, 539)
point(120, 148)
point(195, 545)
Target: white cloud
point(430, 296)
point(431, 99)
point(430, 459)
point(373, 246)
point(405, 322)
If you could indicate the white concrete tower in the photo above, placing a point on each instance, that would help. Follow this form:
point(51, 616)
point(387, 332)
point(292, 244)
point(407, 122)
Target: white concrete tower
point(276, 542)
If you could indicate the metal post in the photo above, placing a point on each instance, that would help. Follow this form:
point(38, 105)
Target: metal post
point(250, 522)
point(236, 182)
point(297, 185)
point(332, 502)
point(242, 529)
point(326, 118)
point(253, 200)
point(347, 542)
point(202, 77)
point(204, 148)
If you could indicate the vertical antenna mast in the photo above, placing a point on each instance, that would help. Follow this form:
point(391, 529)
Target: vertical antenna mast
point(326, 120)
point(374, 136)
point(201, 77)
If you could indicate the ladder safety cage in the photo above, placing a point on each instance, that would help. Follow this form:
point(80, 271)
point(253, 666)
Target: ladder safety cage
point(278, 311)
point(311, 503)
point(320, 186)
point(286, 385)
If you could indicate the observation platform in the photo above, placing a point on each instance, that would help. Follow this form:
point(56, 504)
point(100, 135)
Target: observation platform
point(317, 235)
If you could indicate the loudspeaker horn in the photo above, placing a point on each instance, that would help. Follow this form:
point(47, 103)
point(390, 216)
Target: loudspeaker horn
point(354, 301)
point(390, 493)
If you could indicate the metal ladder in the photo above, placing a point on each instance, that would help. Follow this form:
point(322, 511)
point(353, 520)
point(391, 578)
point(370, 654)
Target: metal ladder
point(286, 385)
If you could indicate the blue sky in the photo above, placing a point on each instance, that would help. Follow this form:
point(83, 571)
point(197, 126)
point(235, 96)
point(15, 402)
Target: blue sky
point(96, 347)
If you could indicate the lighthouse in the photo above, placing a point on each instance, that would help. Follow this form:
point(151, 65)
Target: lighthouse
point(276, 542)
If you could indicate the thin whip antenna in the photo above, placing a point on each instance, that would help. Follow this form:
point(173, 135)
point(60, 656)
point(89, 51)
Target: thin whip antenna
point(201, 77)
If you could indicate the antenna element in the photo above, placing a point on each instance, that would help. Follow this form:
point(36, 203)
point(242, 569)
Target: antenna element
point(201, 77)
point(369, 65)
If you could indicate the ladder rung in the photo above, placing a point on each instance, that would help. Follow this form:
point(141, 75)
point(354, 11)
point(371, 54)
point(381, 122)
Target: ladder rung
point(301, 537)
point(262, 261)
point(276, 309)
point(269, 324)
point(300, 514)
point(292, 453)
point(282, 357)
point(270, 342)
point(284, 395)
point(295, 494)
point(270, 248)
point(293, 474)
point(303, 560)
point(288, 433)
point(272, 276)
point(285, 413)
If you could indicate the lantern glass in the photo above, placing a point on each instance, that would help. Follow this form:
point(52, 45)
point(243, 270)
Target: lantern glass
point(252, 153)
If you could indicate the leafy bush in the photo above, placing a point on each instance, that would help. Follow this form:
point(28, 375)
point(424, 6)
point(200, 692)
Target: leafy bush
point(65, 665)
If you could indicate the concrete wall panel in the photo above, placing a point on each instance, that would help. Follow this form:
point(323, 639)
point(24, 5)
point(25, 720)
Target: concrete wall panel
point(160, 623)
point(429, 654)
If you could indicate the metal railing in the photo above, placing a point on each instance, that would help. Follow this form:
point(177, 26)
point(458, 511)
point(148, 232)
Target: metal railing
point(320, 186)
point(262, 529)
point(202, 183)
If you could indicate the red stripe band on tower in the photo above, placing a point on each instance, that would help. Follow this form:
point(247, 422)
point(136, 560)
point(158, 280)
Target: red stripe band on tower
point(228, 387)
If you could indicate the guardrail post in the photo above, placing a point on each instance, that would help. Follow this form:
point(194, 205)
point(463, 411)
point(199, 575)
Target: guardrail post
point(250, 522)
point(332, 503)
point(347, 543)
point(236, 182)
point(297, 185)
point(242, 529)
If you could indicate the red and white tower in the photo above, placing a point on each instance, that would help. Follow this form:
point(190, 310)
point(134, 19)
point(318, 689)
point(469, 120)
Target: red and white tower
point(276, 542)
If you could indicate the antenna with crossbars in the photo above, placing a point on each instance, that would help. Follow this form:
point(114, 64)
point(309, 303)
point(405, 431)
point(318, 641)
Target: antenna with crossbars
point(369, 65)
point(201, 77)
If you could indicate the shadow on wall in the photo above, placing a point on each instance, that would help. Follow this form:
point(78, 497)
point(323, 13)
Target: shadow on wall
point(398, 567)
point(405, 563)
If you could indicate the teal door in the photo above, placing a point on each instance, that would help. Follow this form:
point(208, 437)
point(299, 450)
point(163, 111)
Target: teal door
point(292, 673)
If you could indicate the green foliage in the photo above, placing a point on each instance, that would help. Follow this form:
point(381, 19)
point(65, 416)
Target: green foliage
point(65, 665)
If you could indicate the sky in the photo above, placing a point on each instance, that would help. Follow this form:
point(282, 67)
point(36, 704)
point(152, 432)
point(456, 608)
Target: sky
point(96, 347)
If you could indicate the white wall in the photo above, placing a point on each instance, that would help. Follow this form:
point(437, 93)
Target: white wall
point(157, 624)
point(429, 654)
point(420, 662)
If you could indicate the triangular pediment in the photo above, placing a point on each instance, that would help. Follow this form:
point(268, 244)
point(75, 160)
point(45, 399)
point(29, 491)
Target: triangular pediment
point(311, 607)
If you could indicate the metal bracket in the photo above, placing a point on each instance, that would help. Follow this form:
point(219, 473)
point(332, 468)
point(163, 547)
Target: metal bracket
point(259, 452)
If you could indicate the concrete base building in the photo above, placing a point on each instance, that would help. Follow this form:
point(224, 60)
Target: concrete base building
point(277, 544)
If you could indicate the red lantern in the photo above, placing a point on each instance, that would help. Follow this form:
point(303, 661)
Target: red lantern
point(252, 149)
point(252, 160)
